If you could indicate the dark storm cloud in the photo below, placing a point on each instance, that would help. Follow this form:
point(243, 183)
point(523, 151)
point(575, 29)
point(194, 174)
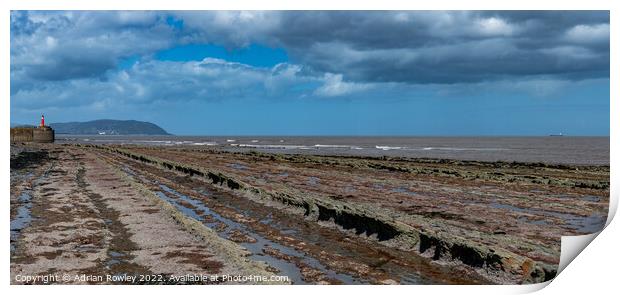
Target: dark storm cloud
point(56, 46)
point(450, 48)
point(423, 47)
point(410, 47)
point(64, 66)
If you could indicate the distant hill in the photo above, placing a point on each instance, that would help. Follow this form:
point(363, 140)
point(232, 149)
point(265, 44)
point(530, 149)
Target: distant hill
point(109, 127)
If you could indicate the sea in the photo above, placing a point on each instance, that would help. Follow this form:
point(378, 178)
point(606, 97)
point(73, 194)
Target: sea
point(577, 150)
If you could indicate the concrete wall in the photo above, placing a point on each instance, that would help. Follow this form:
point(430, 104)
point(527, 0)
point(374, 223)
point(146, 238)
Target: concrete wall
point(24, 134)
point(21, 134)
point(43, 134)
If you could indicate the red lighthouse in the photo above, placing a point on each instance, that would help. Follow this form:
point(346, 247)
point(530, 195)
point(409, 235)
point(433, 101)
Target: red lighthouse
point(42, 121)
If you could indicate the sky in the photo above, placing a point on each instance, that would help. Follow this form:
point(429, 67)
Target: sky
point(425, 73)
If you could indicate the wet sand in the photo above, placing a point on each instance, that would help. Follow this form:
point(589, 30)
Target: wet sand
point(315, 219)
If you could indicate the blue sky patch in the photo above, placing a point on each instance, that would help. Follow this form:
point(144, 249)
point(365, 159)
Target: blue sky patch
point(254, 55)
point(127, 63)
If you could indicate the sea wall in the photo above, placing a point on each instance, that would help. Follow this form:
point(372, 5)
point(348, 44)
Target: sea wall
point(21, 134)
point(43, 134)
point(27, 134)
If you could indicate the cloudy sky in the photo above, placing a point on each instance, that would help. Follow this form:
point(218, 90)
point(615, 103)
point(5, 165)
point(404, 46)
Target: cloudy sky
point(316, 73)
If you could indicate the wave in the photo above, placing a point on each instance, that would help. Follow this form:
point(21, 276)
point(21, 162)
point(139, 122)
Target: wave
point(336, 146)
point(269, 146)
point(292, 147)
point(388, 148)
point(153, 142)
point(463, 149)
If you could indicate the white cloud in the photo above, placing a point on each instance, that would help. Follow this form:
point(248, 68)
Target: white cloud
point(588, 33)
point(493, 26)
point(207, 80)
point(335, 86)
point(51, 42)
point(231, 28)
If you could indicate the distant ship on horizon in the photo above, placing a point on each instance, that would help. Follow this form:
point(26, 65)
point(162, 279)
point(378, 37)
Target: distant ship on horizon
point(559, 134)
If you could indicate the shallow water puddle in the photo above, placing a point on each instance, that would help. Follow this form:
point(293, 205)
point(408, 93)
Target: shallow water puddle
point(17, 176)
point(199, 211)
point(594, 199)
point(22, 218)
point(238, 166)
point(312, 180)
point(115, 258)
point(581, 224)
point(350, 189)
point(405, 191)
point(129, 171)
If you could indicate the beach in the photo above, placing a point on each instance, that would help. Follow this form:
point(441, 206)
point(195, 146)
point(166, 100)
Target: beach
point(332, 214)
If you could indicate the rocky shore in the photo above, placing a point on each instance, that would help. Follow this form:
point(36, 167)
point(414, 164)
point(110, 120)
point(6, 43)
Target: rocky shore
point(167, 211)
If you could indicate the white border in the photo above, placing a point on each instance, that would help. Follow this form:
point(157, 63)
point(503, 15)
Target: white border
point(594, 270)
